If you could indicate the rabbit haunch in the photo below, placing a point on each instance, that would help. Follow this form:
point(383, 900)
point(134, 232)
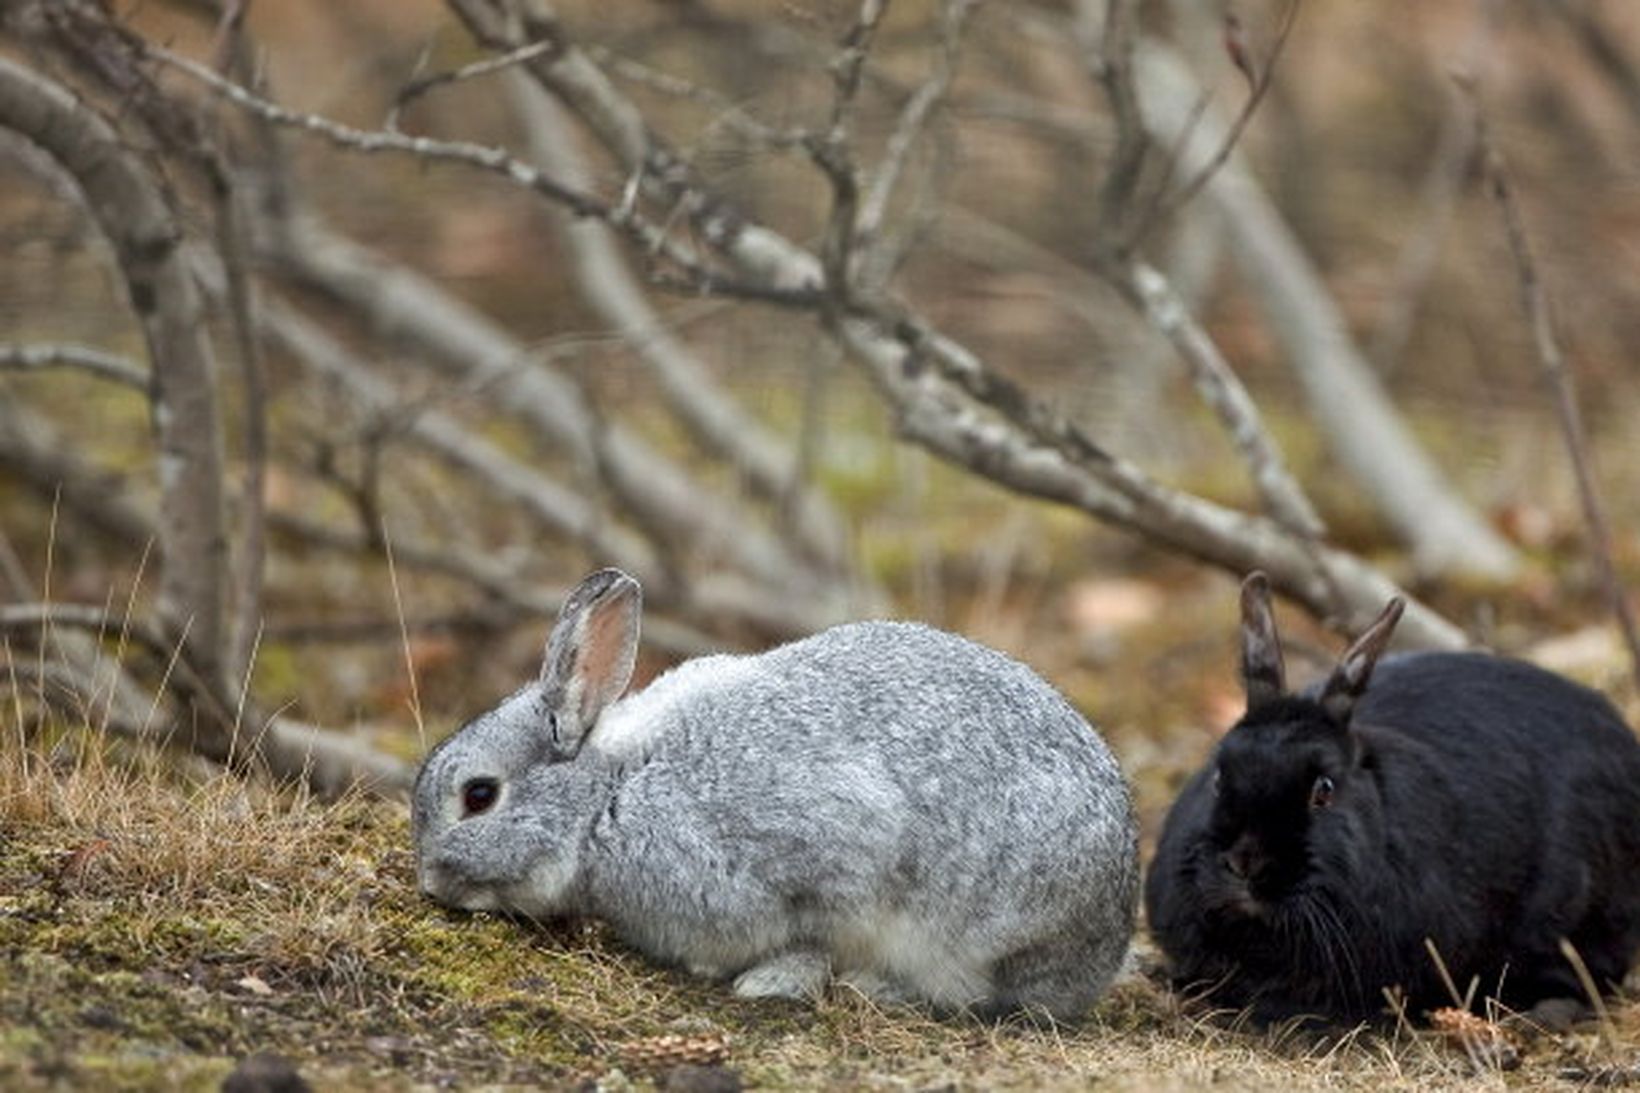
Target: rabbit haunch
point(1481, 803)
point(882, 802)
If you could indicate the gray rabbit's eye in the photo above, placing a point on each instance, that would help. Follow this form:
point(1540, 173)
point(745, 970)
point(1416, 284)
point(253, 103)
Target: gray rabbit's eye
point(1321, 793)
point(479, 795)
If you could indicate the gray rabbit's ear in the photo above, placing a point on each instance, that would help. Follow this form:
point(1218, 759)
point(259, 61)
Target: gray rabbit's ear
point(590, 653)
point(1263, 675)
point(1349, 679)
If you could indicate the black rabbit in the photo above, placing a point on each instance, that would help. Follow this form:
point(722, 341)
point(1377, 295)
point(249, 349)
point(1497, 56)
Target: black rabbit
point(1481, 803)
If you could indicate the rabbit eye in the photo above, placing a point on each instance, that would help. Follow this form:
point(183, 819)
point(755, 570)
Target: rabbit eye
point(1321, 794)
point(479, 795)
point(1218, 776)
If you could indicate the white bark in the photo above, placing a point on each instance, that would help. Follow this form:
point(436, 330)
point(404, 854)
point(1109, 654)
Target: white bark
point(936, 386)
point(1351, 406)
point(606, 282)
point(130, 205)
point(462, 342)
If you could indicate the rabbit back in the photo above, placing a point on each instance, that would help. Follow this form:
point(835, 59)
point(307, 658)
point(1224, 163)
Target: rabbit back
point(1525, 788)
point(919, 806)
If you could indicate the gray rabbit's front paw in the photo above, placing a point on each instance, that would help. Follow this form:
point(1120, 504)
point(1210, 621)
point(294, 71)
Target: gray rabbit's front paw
point(796, 973)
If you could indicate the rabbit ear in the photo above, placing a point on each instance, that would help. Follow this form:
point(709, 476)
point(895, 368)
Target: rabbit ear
point(1263, 674)
point(590, 653)
point(1349, 679)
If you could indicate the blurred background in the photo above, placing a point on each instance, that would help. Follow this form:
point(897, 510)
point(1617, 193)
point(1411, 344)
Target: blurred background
point(423, 511)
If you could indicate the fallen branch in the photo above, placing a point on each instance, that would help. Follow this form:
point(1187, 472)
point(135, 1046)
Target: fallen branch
point(107, 366)
point(330, 762)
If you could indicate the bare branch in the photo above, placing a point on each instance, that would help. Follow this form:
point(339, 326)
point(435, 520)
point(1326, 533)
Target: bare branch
point(520, 595)
point(330, 762)
point(933, 384)
point(1535, 301)
point(1603, 47)
point(957, 431)
point(43, 457)
point(107, 366)
point(133, 210)
point(697, 275)
point(458, 339)
point(717, 424)
point(1438, 197)
point(1261, 81)
point(1224, 394)
point(1354, 411)
point(732, 116)
point(908, 128)
point(1111, 60)
point(488, 66)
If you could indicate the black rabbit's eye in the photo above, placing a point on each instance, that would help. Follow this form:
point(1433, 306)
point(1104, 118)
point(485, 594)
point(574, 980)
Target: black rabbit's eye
point(1218, 776)
point(478, 795)
point(1321, 794)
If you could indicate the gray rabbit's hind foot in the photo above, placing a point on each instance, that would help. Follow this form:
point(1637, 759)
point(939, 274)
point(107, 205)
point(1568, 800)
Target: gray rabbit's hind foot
point(799, 974)
point(878, 988)
point(1059, 981)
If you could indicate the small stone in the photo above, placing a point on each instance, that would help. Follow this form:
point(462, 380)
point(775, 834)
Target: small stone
point(265, 1072)
point(254, 985)
point(100, 1017)
point(396, 1048)
point(690, 1078)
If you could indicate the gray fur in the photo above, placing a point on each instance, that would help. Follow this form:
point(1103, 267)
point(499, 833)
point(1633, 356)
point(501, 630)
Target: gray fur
point(883, 803)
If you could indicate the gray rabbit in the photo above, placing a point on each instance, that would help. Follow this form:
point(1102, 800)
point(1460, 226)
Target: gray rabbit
point(883, 802)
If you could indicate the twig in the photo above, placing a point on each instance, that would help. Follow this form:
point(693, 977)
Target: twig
point(715, 420)
point(1438, 201)
point(924, 376)
point(33, 448)
point(245, 597)
point(699, 276)
point(421, 85)
point(134, 205)
point(1604, 48)
point(108, 366)
point(913, 120)
point(1535, 300)
point(850, 61)
point(1166, 207)
point(1113, 64)
point(517, 593)
point(833, 154)
point(330, 762)
point(1353, 411)
point(729, 114)
point(1224, 394)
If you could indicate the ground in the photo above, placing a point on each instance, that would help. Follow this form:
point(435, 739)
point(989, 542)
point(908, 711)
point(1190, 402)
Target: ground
point(156, 929)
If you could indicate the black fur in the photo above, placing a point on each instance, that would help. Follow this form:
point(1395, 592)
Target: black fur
point(1486, 804)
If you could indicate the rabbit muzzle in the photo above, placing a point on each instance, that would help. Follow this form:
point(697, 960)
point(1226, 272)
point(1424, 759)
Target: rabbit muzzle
point(1249, 876)
point(444, 886)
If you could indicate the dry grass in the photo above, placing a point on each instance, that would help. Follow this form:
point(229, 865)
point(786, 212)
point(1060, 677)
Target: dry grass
point(154, 927)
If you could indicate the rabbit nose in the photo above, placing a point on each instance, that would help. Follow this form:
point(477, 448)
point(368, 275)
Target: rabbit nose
point(1245, 859)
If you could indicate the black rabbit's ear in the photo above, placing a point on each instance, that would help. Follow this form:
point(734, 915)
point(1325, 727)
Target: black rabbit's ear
point(590, 653)
point(1263, 674)
point(1349, 679)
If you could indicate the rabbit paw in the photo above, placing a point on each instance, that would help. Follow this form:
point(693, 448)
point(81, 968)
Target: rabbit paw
point(797, 973)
